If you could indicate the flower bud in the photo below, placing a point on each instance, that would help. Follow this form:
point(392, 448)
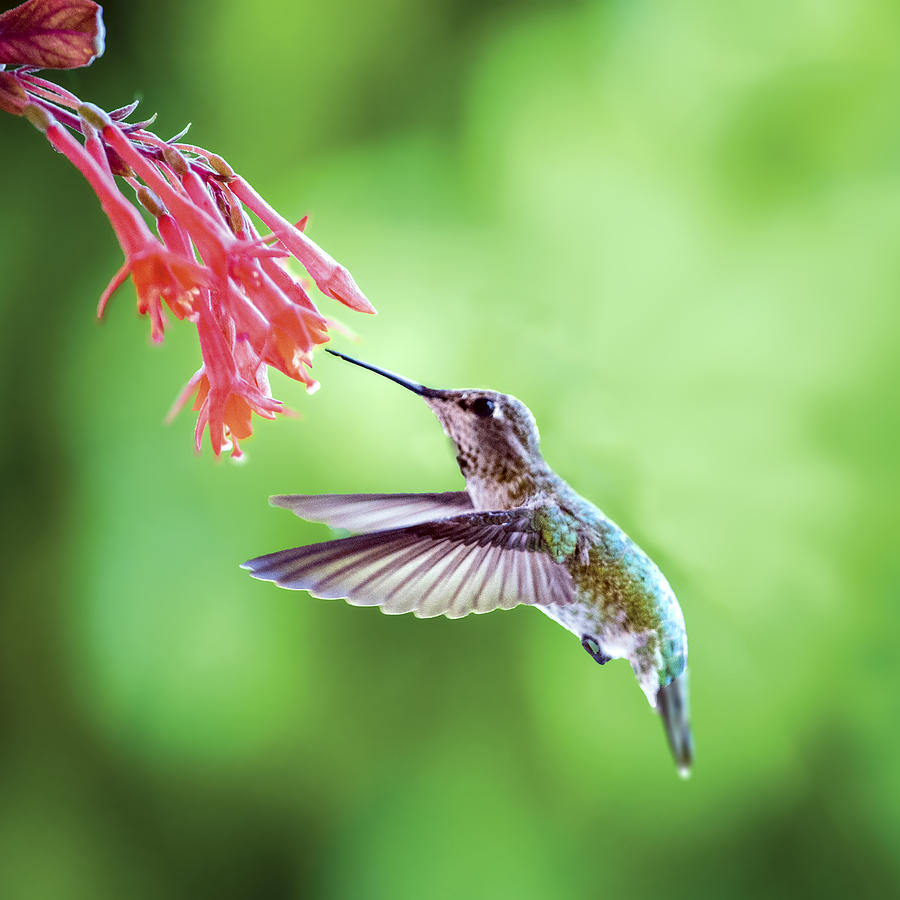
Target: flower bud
point(116, 165)
point(230, 210)
point(219, 165)
point(237, 219)
point(175, 161)
point(94, 116)
point(38, 116)
point(150, 202)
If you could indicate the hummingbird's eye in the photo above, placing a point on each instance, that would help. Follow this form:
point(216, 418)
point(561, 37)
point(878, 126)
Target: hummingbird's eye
point(483, 407)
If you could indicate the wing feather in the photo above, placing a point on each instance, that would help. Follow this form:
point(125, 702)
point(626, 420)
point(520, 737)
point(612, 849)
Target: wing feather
point(364, 513)
point(475, 562)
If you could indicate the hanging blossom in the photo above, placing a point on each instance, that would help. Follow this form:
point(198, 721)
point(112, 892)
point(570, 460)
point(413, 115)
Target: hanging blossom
point(206, 262)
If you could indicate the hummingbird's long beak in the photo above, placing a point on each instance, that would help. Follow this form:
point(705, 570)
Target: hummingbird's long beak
point(671, 701)
point(419, 389)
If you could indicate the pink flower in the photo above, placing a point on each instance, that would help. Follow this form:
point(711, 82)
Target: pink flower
point(331, 279)
point(231, 384)
point(206, 264)
point(158, 272)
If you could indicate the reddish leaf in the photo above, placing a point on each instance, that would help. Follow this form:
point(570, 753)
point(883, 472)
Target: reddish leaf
point(12, 96)
point(52, 34)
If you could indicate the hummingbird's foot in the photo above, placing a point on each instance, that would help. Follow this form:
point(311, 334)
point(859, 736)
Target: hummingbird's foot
point(592, 645)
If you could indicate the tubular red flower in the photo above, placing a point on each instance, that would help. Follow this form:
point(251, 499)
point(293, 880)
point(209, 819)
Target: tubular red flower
point(232, 385)
point(208, 264)
point(157, 272)
point(330, 277)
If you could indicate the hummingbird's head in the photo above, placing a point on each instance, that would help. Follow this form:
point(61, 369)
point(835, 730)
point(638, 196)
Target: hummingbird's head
point(492, 431)
point(495, 434)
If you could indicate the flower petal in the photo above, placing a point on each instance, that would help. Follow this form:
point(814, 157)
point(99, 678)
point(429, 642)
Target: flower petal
point(52, 34)
point(115, 283)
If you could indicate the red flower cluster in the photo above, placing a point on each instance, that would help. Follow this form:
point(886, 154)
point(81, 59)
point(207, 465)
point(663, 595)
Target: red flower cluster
point(206, 263)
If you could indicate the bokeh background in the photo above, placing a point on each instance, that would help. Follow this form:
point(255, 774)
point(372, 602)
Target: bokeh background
point(673, 229)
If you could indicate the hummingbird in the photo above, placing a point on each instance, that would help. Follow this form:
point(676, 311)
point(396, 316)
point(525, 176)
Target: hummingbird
point(517, 534)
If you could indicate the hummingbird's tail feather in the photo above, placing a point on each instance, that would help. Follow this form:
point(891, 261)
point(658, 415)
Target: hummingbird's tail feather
point(365, 513)
point(476, 562)
point(672, 703)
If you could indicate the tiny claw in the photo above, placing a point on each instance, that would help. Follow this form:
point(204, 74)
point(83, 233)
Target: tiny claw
point(592, 645)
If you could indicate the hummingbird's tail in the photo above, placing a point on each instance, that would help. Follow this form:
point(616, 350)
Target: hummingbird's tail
point(672, 703)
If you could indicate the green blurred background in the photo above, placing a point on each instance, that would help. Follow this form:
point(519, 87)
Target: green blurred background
point(673, 230)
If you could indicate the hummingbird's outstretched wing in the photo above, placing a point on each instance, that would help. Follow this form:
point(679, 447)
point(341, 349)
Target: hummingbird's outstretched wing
point(470, 563)
point(373, 512)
